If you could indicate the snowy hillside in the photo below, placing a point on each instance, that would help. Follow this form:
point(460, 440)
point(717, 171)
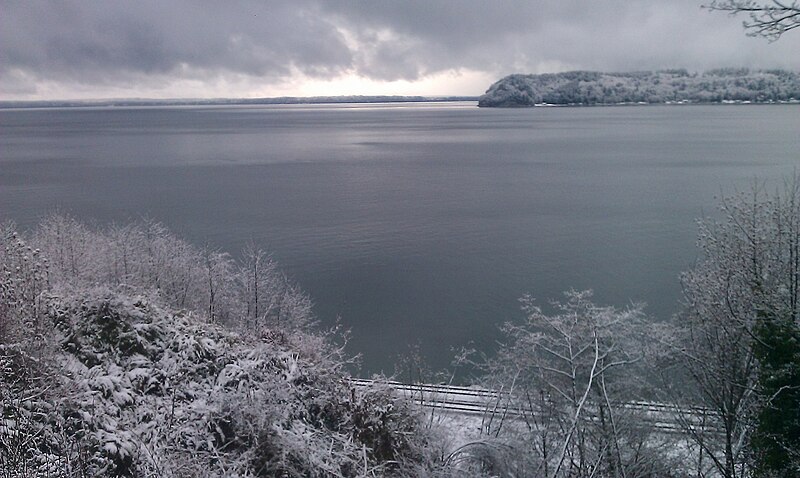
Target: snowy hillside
point(666, 86)
point(103, 377)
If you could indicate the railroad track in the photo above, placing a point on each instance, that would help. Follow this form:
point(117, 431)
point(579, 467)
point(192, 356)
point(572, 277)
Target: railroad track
point(476, 402)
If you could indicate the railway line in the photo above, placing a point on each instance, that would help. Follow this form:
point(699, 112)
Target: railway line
point(478, 402)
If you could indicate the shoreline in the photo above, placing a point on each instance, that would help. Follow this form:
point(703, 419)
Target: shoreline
point(315, 100)
point(22, 106)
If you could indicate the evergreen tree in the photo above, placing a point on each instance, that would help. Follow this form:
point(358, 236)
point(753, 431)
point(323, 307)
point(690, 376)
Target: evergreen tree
point(776, 440)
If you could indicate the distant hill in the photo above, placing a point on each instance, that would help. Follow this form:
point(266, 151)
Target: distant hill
point(665, 86)
point(285, 100)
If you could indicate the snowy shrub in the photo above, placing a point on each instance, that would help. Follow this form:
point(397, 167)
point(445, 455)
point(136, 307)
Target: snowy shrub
point(23, 281)
point(127, 377)
point(145, 258)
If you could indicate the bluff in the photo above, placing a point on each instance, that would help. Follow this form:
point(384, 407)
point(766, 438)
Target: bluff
point(117, 378)
point(664, 86)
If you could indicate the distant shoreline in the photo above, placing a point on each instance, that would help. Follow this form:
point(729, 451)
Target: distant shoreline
point(34, 105)
point(289, 100)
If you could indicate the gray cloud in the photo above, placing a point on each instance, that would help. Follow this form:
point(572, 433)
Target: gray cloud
point(608, 35)
point(148, 44)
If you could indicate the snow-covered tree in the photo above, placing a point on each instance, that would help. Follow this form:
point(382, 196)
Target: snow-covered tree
point(572, 373)
point(745, 287)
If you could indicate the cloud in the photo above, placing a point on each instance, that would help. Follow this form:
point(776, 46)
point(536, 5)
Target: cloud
point(109, 42)
point(148, 48)
point(506, 36)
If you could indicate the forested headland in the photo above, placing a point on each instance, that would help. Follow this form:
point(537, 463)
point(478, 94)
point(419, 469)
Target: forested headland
point(648, 87)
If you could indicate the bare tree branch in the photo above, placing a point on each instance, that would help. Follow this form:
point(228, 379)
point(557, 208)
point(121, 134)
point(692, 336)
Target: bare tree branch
point(769, 20)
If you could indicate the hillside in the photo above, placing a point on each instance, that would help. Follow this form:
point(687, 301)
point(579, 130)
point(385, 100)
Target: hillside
point(665, 86)
point(126, 377)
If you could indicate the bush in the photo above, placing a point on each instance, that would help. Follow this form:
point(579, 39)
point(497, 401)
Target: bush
point(126, 375)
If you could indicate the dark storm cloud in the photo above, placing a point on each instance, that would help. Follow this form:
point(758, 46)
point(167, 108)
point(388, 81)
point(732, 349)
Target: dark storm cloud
point(144, 43)
point(609, 35)
point(86, 40)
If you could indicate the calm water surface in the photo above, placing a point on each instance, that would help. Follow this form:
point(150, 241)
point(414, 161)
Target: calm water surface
point(417, 224)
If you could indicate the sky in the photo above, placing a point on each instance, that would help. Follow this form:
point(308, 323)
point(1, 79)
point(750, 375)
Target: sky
point(95, 49)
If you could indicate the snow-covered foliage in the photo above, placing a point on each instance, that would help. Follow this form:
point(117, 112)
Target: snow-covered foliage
point(147, 258)
point(675, 86)
point(117, 380)
point(736, 336)
point(572, 374)
point(23, 279)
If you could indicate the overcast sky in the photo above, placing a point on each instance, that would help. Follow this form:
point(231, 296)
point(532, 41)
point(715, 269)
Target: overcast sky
point(181, 48)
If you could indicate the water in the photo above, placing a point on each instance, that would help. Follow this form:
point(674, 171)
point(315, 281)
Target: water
point(420, 225)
